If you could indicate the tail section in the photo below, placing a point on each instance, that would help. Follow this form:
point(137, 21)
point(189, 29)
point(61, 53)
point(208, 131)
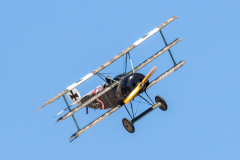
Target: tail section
point(74, 96)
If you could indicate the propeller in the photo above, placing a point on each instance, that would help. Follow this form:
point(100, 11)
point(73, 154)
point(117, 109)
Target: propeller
point(139, 86)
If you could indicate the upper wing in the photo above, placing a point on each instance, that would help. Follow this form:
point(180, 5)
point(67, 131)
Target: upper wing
point(109, 62)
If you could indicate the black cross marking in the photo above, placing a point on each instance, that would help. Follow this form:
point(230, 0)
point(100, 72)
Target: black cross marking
point(74, 96)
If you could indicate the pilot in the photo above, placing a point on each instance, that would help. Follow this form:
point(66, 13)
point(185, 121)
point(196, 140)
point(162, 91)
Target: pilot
point(109, 80)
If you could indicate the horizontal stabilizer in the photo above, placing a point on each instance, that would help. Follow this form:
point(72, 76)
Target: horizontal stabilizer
point(74, 96)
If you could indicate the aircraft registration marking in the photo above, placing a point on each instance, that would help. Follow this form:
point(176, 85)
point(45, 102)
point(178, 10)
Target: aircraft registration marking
point(80, 81)
point(146, 36)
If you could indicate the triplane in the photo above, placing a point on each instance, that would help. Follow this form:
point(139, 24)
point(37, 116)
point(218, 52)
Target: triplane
point(119, 91)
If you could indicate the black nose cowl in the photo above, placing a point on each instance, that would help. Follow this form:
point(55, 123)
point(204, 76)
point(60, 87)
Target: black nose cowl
point(130, 82)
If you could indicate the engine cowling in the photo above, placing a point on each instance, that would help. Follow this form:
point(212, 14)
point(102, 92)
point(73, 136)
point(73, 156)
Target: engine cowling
point(130, 82)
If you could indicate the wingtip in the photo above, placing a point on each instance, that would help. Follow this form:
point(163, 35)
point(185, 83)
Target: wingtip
point(73, 136)
point(53, 99)
point(38, 109)
point(73, 139)
point(41, 107)
point(60, 119)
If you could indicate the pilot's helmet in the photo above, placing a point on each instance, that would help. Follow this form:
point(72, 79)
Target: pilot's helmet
point(108, 79)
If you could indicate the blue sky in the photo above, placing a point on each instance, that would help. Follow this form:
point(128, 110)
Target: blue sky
point(47, 45)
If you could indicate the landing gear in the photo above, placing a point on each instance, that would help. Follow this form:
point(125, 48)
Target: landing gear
point(163, 107)
point(128, 125)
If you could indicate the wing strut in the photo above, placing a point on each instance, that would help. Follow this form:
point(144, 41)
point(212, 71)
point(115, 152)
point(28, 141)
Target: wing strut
point(169, 49)
point(155, 55)
point(130, 61)
point(70, 111)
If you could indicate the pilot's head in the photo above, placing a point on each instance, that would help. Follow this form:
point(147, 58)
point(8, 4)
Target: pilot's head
point(108, 79)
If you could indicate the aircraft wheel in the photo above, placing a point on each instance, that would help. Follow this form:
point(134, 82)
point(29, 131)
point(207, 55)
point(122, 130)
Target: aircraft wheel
point(163, 107)
point(128, 125)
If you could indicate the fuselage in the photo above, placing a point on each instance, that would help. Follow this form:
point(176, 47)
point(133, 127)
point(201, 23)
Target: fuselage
point(116, 95)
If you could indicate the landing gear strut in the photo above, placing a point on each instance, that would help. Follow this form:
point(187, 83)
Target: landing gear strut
point(128, 125)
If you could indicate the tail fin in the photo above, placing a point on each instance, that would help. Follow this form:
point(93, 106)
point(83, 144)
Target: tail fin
point(74, 96)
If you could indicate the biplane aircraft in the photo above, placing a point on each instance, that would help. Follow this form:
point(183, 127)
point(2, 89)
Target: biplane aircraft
point(117, 92)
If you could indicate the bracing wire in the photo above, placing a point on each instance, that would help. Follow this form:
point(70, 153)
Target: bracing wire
point(137, 107)
point(145, 99)
point(110, 73)
point(141, 102)
point(101, 78)
point(123, 63)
